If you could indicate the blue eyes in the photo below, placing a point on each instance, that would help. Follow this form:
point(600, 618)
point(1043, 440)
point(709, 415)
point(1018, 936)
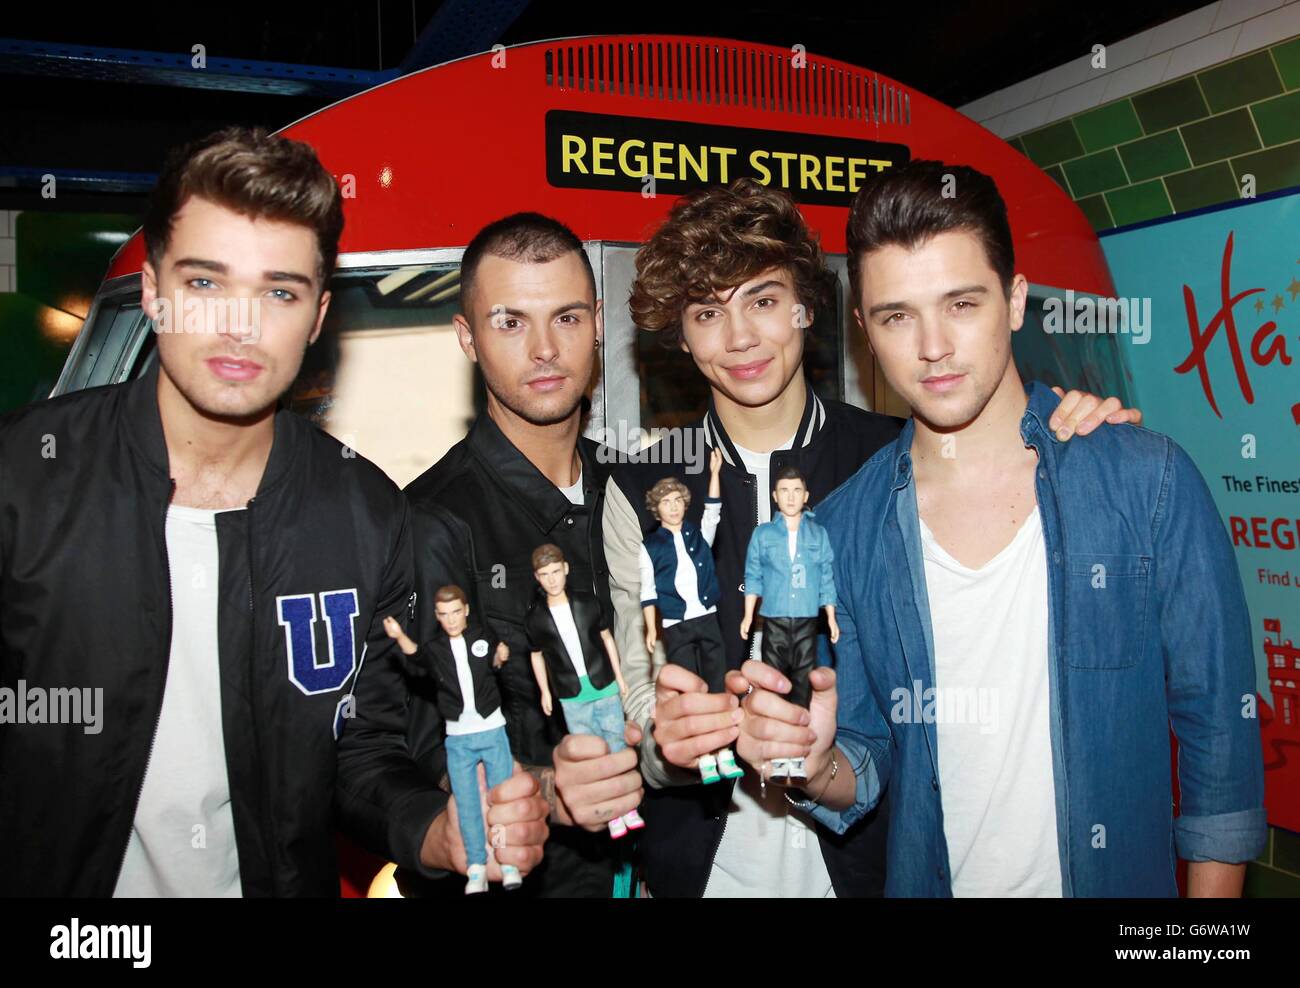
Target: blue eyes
point(207, 284)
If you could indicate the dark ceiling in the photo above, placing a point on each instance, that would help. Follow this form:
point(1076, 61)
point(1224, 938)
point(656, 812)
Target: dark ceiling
point(57, 121)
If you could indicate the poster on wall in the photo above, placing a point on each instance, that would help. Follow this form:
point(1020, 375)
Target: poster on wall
point(1216, 366)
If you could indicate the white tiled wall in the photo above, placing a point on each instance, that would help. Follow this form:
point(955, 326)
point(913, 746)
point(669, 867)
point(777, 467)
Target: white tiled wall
point(8, 229)
point(1205, 37)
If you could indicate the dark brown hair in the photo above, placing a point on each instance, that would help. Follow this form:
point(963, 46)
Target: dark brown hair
point(529, 238)
point(718, 239)
point(907, 205)
point(790, 472)
point(253, 173)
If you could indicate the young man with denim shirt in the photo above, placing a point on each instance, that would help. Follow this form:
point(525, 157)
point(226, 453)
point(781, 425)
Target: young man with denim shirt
point(977, 552)
point(788, 566)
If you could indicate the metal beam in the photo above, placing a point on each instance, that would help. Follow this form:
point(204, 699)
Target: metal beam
point(460, 28)
point(241, 75)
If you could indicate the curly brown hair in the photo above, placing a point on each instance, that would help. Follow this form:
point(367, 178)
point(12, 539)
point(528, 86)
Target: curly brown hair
point(718, 239)
point(661, 489)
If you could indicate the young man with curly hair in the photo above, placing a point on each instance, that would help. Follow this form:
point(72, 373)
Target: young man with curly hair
point(736, 279)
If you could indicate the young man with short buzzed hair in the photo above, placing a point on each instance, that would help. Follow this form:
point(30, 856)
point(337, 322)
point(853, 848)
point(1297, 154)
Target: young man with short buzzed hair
point(525, 475)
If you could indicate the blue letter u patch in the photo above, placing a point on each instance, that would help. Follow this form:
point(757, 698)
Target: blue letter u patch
point(297, 613)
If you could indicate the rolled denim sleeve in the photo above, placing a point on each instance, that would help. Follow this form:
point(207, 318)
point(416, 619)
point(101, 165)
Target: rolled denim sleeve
point(1210, 673)
point(827, 586)
point(866, 796)
point(1227, 837)
point(754, 564)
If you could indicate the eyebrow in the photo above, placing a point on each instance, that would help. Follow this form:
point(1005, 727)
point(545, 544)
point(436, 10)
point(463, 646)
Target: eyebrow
point(907, 307)
point(521, 314)
point(219, 268)
point(762, 286)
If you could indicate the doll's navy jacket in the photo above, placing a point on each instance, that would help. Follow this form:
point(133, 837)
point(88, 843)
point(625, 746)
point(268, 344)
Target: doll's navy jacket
point(1167, 645)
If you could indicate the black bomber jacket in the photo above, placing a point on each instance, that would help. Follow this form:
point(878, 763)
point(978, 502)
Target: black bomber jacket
point(476, 517)
point(85, 602)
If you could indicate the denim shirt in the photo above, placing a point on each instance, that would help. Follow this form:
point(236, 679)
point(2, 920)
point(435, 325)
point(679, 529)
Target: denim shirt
point(790, 588)
point(1148, 631)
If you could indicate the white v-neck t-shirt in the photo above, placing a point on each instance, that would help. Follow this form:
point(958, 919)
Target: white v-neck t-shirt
point(991, 712)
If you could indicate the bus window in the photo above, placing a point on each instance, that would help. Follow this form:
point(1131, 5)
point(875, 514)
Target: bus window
point(1092, 364)
point(387, 377)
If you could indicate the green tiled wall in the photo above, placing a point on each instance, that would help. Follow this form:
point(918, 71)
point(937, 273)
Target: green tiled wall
point(1276, 872)
point(1180, 145)
point(1177, 147)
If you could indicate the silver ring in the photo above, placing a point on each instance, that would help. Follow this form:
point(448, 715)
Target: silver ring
point(750, 690)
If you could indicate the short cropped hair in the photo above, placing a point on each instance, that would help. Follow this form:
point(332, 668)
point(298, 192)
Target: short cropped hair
point(529, 238)
point(790, 472)
point(445, 595)
point(545, 555)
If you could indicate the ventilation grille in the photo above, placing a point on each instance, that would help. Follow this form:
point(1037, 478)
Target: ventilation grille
point(689, 72)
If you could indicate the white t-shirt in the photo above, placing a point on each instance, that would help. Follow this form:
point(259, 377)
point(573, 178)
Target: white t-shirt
point(470, 720)
point(767, 850)
point(991, 717)
point(183, 840)
point(569, 635)
point(574, 493)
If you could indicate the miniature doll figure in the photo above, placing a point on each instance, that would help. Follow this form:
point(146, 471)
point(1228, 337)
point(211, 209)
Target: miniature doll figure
point(457, 660)
point(574, 651)
point(788, 565)
point(679, 582)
